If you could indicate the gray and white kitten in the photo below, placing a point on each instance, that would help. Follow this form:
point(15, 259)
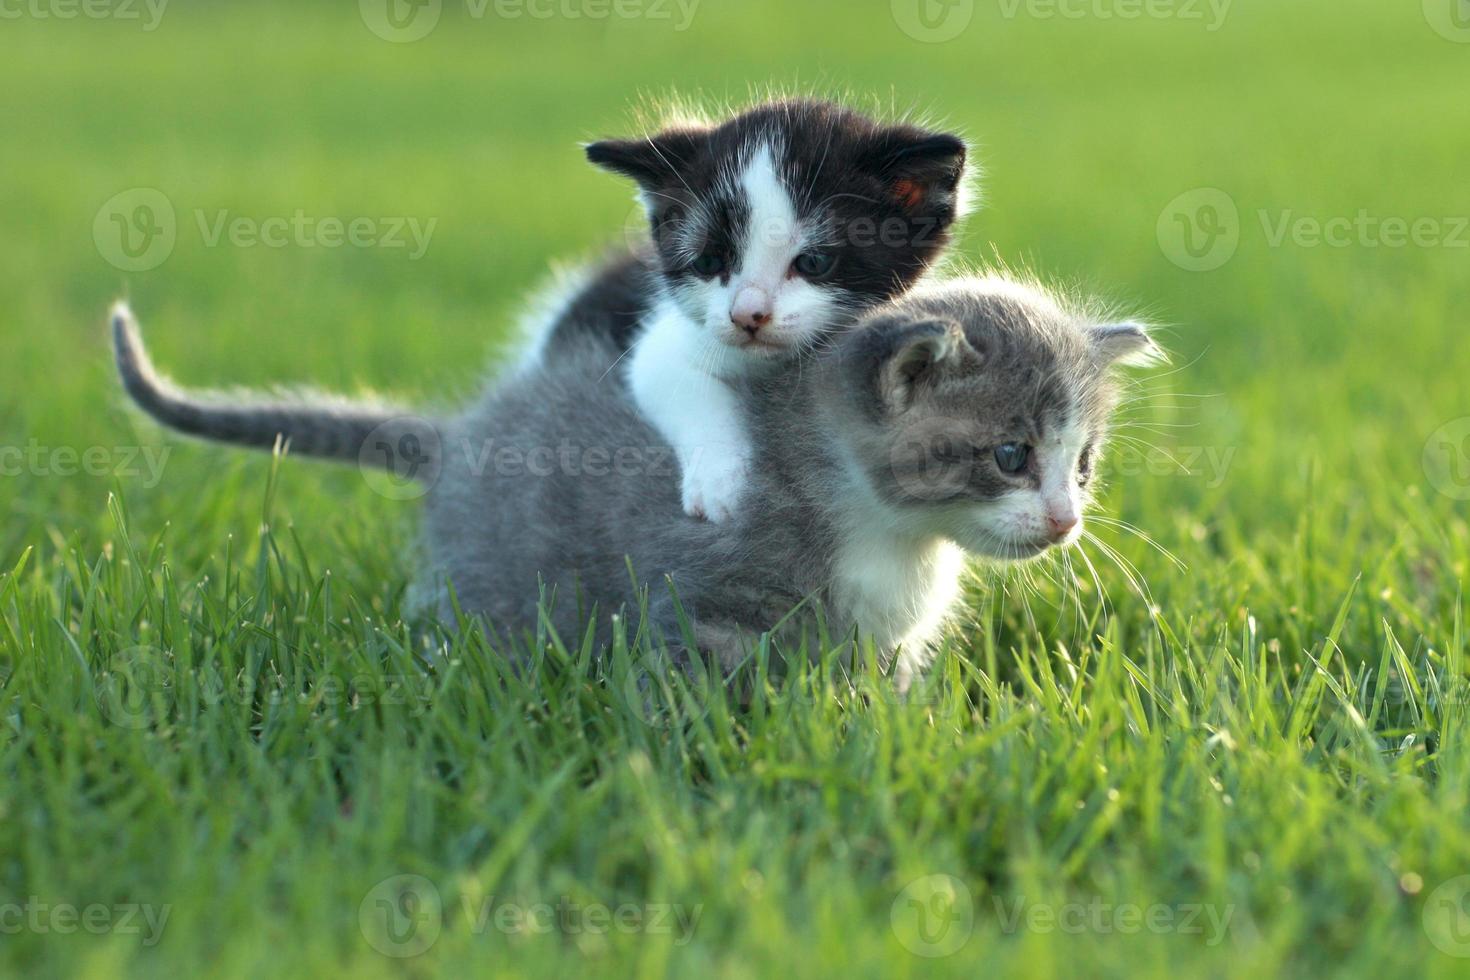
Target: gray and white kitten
point(964, 417)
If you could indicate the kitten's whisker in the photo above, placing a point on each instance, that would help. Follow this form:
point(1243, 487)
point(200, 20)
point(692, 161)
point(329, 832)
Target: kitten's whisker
point(666, 197)
point(846, 195)
point(1102, 593)
point(1129, 570)
point(1151, 447)
point(1146, 395)
point(1072, 589)
point(611, 367)
point(1143, 536)
point(1155, 427)
point(812, 184)
point(652, 145)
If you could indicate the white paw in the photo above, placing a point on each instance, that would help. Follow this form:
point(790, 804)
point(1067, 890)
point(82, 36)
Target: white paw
point(713, 485)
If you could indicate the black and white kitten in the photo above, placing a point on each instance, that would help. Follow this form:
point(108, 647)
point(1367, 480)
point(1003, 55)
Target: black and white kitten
point(767, 230)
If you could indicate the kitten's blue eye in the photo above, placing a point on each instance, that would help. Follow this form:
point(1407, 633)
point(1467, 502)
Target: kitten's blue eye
point(708, 265)
point(1011, 458)
point(814, 265)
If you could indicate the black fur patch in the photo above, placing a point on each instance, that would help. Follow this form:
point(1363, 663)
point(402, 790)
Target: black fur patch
point(611, 306)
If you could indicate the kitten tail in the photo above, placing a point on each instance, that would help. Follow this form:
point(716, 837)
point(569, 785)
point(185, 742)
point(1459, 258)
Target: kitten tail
point(312, 424)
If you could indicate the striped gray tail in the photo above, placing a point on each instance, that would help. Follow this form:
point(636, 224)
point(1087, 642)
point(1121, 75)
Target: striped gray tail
point(371, 435)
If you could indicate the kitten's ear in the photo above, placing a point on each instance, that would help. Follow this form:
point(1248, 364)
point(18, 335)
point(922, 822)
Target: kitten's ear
point(653, 161)
point(1126, 343)
point(918, 353)
point(922, 169)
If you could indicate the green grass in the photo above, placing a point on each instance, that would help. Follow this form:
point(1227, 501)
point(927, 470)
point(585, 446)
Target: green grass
point(1280, 741)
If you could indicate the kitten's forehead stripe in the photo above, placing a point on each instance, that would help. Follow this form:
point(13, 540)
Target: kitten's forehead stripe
point(802, 175)
point(773, 231)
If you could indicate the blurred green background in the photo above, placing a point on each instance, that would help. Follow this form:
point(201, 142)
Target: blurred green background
point(1086, 127)
point(1178, 157)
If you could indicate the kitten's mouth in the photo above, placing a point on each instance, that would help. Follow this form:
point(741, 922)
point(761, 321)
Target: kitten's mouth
point(758, 344)
point(1047, 543)
point(1024, 550)
point(1019, 549)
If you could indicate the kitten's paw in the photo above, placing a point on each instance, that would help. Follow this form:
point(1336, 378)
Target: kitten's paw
point(713, 486)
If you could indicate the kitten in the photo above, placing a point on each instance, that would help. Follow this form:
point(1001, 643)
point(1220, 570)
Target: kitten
point(965, 417)
point(766, 230)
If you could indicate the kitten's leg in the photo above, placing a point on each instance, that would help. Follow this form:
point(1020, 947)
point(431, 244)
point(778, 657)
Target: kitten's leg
point(699, 415)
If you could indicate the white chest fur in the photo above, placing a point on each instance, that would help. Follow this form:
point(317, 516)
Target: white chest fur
point(898, 591)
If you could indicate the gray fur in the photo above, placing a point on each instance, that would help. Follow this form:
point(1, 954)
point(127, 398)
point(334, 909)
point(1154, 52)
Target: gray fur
point(310, 423)
point(831, 455)
point(875, 450)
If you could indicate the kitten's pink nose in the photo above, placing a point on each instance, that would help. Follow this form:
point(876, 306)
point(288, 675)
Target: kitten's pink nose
point(1062, 526)
point(751, 310)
